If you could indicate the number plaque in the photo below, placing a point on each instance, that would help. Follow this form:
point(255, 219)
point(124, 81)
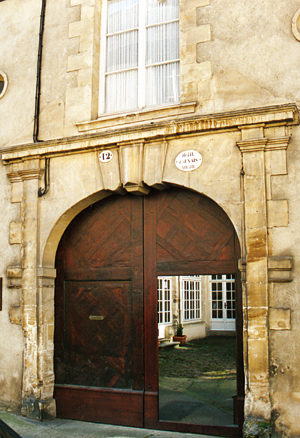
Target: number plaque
point(105, 156)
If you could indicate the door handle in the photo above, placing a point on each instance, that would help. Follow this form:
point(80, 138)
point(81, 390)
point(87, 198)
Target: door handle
point(96, 317)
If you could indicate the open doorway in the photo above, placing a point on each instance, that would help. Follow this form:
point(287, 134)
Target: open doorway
point(197, 348)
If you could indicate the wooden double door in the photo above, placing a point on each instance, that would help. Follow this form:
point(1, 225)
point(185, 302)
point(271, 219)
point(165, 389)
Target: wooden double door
point(106, 356)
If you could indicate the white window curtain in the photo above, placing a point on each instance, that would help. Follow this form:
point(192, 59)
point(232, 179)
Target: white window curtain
point(142, 54)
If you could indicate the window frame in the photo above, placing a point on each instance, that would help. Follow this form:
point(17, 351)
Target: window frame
point(164, 311)
point(141, 65)
point(191, 279)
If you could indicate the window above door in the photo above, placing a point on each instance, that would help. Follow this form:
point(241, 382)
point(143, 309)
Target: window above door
point(139, 62)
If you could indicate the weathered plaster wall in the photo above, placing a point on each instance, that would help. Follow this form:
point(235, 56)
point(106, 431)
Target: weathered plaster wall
point(250, 51)
point(11, 335)
point(19, 24)
point(56, 80)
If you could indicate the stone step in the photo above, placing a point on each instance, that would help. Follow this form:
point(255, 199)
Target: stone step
point(168, 344)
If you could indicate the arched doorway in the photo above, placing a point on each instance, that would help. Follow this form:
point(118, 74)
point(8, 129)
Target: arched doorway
point(106, 359)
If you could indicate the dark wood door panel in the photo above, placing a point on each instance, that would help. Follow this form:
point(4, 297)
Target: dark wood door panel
point(101, 236)
point(100, 275)
point(97, 349)
point(100, 406)
point(192, 228)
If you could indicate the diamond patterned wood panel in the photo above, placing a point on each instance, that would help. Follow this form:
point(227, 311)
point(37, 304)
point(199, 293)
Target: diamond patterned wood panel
point(192, 228)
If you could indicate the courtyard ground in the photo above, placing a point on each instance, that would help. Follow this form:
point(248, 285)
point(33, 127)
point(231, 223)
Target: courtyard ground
point(197, 381)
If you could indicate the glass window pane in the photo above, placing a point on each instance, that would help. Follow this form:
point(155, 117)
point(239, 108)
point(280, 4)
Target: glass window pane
point(162, 84)
point(122, 51)
point(162, 43)
point(122, 15)
point(159, 11)
point(121, 91)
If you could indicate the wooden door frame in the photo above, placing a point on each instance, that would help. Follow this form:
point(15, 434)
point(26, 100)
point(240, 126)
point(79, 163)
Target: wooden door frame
point(151, 397)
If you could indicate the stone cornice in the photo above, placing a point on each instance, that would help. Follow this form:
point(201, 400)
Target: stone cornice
point(14, 177)
point(262, 144)
point(136, 118)
point(25, 174)
point(280, 143)
point(155, 131)
point(254, 145)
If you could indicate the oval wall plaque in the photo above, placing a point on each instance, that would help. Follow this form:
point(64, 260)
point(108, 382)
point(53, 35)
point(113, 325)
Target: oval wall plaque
point(188, 160)
point(296, 25)
point(105, 156)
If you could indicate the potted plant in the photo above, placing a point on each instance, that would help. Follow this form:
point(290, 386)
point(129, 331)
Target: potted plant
point(179, 337)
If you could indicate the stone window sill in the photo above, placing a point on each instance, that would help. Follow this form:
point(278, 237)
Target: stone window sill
point(135, 118)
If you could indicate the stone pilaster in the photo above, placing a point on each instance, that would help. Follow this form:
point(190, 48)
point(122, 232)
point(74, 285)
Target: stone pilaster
point(257, 403)
point(45, 320)
point(30, 175)
point(33, 308)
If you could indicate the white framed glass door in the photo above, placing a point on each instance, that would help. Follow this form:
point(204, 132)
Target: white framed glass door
point(222, 293)
point(164, 310)
point(190, 293)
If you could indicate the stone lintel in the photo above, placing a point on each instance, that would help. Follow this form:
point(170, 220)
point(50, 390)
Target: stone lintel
point(164, 128)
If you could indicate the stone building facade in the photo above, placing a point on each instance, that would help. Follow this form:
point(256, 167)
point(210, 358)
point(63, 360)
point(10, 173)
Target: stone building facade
point(239, 91)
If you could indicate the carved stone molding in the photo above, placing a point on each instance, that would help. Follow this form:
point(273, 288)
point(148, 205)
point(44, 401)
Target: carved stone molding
point(280, 143)
point(160, 130)
point(264, 144)
point(254, 145)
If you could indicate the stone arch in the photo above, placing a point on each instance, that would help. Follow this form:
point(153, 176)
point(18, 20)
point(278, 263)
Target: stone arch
point(49, 253)
point(63, 222)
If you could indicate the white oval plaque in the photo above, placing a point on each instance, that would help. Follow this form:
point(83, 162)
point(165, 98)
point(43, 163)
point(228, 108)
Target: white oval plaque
point(188, 160)
point(105, 156)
